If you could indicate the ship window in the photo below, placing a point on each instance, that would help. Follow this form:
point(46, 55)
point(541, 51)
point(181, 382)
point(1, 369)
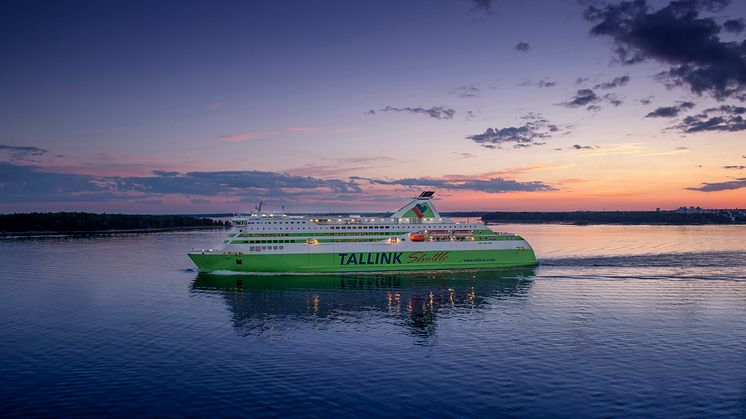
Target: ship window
point(239, 262)
point(282, 247)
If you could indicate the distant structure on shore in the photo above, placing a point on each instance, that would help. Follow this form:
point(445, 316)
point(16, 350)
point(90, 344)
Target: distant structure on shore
point(733, 214)
point(683, 215)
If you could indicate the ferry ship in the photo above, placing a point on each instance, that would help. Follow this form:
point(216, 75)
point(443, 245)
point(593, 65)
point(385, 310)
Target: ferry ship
point(414, 238)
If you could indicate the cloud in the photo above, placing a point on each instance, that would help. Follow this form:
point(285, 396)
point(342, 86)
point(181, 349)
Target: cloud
point(578, 147)
point(726, 118)
point(20, 153)
point(721, 186)
point(646, 100)
point(494, 185)
point(734, 167)
point(465, 91)
point(546, 83)
point(25, 183)
point(590, 100)
point(531, 133)
point(522, 47)
point(234, 183)
point(237, 138)
point(613, 99)
point(734, 25)
point(482, 6)
point(582, 147)
point(165, 173)
point(464, 155)
point(583, 97)
point(437, 112)
point(675, 35)
point(616, 82)
point(670, 111)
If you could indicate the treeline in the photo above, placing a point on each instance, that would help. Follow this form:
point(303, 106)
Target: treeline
point(614, 217)
point(66, 222)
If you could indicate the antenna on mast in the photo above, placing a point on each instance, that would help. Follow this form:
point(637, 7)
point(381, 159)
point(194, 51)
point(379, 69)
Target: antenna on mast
point(259, 207)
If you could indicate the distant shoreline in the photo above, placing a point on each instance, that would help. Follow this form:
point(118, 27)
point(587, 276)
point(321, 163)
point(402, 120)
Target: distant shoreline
point(682, 216)
point(582, 223)
point(10, 234)
point(85, 223)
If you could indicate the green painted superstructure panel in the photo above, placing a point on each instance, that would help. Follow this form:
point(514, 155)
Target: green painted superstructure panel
point(363, 262)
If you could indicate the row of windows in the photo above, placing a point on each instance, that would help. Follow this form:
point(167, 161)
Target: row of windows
point(260, 248)
point(268, 241)
point(323, 234)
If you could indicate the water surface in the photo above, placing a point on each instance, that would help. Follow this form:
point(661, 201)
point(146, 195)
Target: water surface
point(617, 321)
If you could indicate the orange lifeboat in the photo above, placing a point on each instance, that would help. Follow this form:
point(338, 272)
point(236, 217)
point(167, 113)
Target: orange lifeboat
point(417, 237)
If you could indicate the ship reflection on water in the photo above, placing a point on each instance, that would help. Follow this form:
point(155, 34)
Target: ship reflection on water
point(268, 305)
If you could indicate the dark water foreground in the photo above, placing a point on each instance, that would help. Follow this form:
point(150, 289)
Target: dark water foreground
point(618, 321)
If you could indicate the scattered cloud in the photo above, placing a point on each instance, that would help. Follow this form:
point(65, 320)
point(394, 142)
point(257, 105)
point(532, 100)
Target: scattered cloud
point(237, 138)
point(546, 83)
point(670, 111)
point(726, 118)
point(583, 97)
point(464, 155)
point(26, 183)
point(735, 167)
point(482, 6)
point(437, 112)
point(20, 153)
point(582, 147)
point(522, 47)
point(465, 91)
point(581, 80)
point(613, 99)
point(646, 100)
point(576, 147)
point(613, 84)
point(495, 185)
point(675, 35)
point(734, 25)
point(535, 129)
point(721, 186)
point(589, 99)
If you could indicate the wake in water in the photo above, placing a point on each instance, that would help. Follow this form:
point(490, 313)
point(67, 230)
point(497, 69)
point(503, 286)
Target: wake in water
point(658, 260)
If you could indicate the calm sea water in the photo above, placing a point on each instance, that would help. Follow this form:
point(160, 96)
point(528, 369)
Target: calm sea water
point(617, 321)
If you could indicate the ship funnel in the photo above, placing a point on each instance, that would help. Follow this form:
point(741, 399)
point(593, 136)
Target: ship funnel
point(420, 207)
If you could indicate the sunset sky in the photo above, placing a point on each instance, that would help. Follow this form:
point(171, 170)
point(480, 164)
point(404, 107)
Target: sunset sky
point(205, 106)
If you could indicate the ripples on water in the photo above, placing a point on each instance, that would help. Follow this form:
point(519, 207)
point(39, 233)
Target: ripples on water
point(617, 321)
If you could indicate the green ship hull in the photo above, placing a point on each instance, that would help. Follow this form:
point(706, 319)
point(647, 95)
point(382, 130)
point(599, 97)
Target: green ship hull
point(363, 262)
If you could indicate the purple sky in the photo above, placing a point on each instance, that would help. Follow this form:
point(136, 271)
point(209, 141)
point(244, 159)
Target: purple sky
point(197, 106)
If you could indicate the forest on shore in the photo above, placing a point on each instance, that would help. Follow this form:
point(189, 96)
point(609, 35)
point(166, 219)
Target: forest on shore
point(82, 222)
